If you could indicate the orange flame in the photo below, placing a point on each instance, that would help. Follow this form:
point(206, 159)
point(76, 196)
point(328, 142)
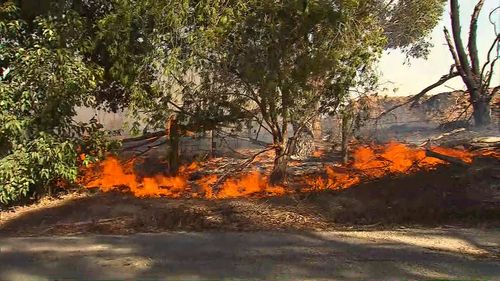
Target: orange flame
point(336, 179)
point(319, 153)
point(250, 184)
point(115, 175)
point(370, 162)
point(82, 156)
point(377, 161)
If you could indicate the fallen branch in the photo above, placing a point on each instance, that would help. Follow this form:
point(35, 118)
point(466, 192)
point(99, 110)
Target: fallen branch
point(241, 167)
point(141, 144)
point(254, 141)
point(485, 142)
point(456, 131)
point(230, 148)
point(144, 137)
point(446, 158)
point(149, 148)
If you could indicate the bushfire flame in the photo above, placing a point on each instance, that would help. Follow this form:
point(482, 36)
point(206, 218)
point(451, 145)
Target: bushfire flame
point(370, 162)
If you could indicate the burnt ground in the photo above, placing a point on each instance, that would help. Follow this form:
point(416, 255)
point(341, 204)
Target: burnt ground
point(448, 196)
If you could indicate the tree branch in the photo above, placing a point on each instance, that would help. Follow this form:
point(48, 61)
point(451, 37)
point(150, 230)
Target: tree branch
point(254, 141)
point(490, 74)
point(472, 45)
point(495, 91)
point(240, 167)
point(486, 77)
point(440, 82)
point(134, 147)
point(454, 54)
point(415, 98)
point(149, 148)
point(459, 46)
point(449, 159)
point(149, 136)
point(495, 44)
point(492, 22)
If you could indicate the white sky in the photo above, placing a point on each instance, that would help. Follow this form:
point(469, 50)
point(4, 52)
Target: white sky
point(411, 79)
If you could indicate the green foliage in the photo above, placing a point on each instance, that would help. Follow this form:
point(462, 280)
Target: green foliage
point(46, 76)
point(283, 58)
point(408, 23)
point(37, 163)
point(161, 51)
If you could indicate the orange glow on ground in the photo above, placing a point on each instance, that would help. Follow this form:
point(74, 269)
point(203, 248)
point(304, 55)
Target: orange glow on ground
point(319, 153)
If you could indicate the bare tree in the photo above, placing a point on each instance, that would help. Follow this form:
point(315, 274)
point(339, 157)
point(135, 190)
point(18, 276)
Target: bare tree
point(476, 78)
point(467, 65)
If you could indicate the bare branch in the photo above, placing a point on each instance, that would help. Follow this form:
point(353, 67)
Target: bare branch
point(415, 98)
point(254, 141)
point(492, 22)
point(142, 144)
point(490, 74)
point(486, 77)
point(240, 167)
point(148, 149)
point(449, 159)
point(472, 45)
point(440, 82)
point(451, 88)
point(453, 52)
point(495, 91)
point(150, 136)
point(493, 45)
point(464, 112)
point(459, 45)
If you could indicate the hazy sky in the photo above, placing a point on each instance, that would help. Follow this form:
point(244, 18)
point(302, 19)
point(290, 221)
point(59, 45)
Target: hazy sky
point(411, 79)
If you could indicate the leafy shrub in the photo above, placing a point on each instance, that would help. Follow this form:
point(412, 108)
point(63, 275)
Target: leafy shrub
point(45, 77)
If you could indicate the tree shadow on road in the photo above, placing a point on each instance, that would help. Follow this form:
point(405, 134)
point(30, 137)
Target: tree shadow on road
point(216, 256)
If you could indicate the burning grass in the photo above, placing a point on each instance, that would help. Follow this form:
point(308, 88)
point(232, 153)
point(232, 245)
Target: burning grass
point(196, 181)
point(384, 186)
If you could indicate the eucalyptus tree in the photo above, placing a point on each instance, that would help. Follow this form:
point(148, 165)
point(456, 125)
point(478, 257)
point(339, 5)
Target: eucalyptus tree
point(274, 61)
point(407, 24)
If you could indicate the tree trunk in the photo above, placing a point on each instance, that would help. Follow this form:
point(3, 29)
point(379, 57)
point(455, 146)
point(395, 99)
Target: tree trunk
point(213, 145)
point(345, 138)
point(482, 112)
point(173, 137)
point(302, 146)
point(279, 173)
point(467, 63)
point(316, 128)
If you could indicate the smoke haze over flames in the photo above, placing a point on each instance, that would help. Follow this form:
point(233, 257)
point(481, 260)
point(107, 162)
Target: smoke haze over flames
point(196, 181)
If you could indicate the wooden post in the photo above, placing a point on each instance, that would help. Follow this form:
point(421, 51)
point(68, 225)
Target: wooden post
point(345, 138)
point(173, 140)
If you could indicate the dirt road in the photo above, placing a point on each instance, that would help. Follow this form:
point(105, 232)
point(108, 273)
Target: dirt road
point(339, 255)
